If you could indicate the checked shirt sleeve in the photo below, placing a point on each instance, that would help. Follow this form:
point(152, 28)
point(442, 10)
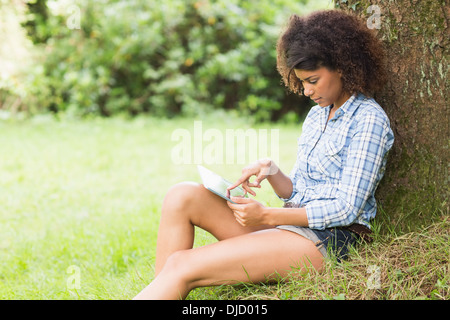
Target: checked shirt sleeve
point(363, 169)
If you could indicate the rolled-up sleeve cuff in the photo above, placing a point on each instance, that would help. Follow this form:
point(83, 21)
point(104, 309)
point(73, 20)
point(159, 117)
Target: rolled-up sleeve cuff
point(294, 192)
point(315, 217)
point(287, 199)
point(327, 214)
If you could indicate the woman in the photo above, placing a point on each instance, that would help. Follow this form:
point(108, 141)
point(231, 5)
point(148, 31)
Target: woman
point(335, 60)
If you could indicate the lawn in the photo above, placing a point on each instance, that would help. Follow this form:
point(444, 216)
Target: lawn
point(80, 202)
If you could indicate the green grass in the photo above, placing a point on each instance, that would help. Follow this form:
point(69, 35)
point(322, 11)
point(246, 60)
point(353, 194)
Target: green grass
point(80, 205)
point(411, 266)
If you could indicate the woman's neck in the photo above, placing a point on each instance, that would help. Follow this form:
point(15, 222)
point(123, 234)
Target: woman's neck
point(340, 100)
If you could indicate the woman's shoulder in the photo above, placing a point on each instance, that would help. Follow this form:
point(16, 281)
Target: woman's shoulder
point(369, 108)
point(371, 116)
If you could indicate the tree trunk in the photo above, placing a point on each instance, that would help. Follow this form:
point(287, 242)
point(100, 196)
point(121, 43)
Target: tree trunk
point(416, 36)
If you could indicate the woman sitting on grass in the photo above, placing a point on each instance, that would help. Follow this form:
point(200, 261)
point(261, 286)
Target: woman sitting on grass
point(334, 59)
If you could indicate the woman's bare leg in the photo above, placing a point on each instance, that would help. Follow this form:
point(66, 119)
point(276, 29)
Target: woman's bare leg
point(187, 205)
point(252, 257)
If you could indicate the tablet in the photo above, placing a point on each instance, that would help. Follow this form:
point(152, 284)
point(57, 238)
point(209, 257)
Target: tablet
point(218, 185)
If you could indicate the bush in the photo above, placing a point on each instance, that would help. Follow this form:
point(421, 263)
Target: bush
point(163, 57)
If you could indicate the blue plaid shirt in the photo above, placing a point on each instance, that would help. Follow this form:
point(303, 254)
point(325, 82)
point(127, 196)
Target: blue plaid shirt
point(340, 163)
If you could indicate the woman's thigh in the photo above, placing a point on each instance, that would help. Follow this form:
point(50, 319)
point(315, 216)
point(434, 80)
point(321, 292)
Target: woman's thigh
point(253, 257)
point(187, 205)
point(204, 209)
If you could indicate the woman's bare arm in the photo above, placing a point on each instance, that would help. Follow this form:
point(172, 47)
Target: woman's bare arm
point(265, 169)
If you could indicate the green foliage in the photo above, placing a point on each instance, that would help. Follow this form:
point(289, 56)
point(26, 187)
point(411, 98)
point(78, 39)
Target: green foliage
point(162, 57)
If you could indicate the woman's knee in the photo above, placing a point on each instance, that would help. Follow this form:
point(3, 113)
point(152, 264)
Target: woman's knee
point(181, 195)
point(179, 267)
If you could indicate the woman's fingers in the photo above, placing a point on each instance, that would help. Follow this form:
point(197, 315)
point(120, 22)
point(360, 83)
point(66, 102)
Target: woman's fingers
point(244, 179)
point(260, 169)
point(246, 187)
point(237, 183)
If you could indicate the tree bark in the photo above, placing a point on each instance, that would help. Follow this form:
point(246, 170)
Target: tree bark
point(416, 36)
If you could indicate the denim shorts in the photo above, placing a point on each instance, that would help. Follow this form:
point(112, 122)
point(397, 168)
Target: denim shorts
point(336, 241)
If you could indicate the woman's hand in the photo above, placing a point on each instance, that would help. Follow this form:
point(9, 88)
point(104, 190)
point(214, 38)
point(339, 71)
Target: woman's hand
point(261, 169)
point(248, 212)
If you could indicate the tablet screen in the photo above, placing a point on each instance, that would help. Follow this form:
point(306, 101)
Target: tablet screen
point(215, 183)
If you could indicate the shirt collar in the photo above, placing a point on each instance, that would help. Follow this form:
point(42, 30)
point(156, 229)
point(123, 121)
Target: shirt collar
point(350, 106)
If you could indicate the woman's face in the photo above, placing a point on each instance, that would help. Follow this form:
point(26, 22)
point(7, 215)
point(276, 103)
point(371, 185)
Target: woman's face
point(323, 86)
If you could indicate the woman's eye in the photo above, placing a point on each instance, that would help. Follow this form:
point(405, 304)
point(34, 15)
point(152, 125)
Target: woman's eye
point(313, 82)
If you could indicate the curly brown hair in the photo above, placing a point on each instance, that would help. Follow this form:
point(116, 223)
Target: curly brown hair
point(336, 40)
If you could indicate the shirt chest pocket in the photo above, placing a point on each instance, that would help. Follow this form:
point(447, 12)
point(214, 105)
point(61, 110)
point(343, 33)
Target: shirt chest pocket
point(305, 145)
point(330, 157)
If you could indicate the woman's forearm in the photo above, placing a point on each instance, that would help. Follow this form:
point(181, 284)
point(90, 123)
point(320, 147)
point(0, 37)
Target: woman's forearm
point(290, 216)
point(281, 183)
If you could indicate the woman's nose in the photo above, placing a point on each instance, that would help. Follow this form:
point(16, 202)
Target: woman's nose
point(307, 91)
